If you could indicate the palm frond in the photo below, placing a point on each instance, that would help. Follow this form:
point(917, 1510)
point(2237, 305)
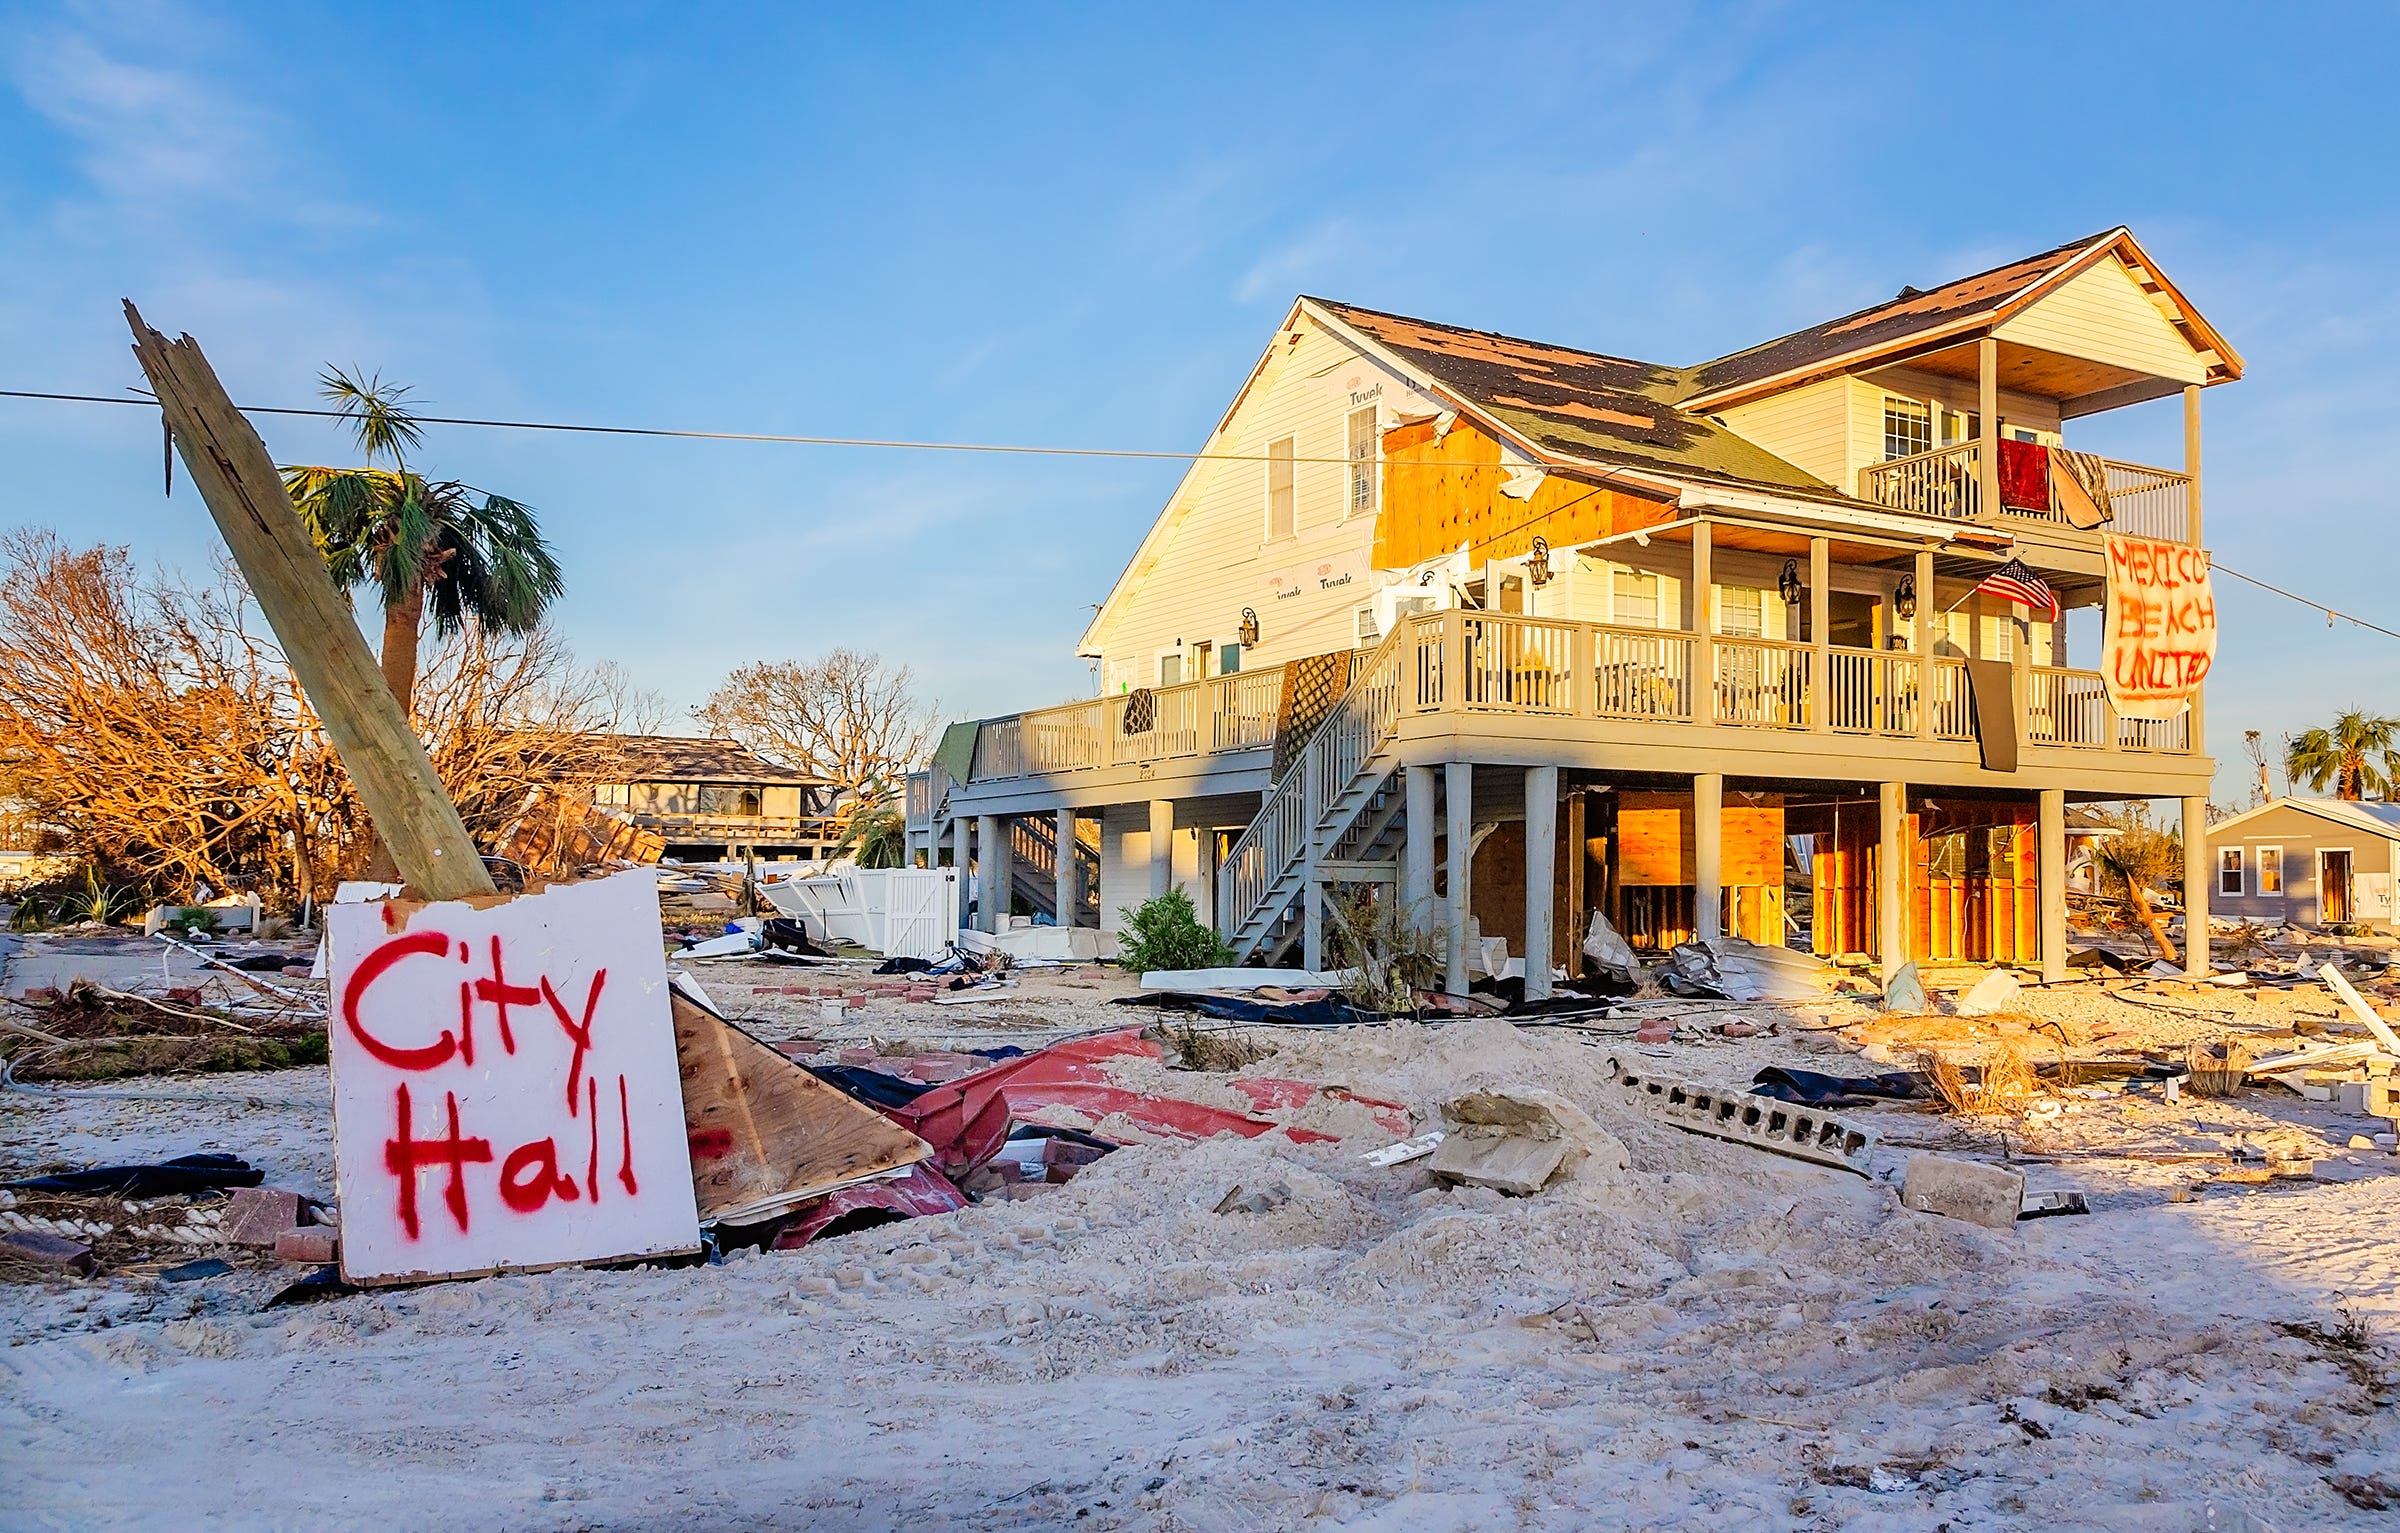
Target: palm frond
point(382, 425)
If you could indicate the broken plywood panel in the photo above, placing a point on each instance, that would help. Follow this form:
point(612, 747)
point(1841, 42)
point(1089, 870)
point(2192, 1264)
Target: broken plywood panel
point(765, 1134)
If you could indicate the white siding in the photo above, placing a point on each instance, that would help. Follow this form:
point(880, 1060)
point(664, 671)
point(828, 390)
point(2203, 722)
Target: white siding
point(1809, 428)
point(2103, 314)
point(1125, 864)
point(1214, 558)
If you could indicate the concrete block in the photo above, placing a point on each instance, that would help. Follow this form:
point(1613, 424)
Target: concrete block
point(255, 1216)
point(49, 1250)
point(1784, 1128)
point(313, 1244)
point(1511, 1163)
point(1991, 1196)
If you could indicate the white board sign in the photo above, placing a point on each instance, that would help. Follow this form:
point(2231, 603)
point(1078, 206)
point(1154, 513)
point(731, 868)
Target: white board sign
point(505, 1087)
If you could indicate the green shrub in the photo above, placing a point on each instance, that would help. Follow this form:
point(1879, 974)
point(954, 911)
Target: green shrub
point(1166, 934)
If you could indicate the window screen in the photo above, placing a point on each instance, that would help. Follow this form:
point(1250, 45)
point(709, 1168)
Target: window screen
point(1362, 459)
point(1281, 508)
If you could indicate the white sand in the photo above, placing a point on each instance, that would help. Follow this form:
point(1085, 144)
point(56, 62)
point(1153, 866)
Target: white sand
point(1716, 1339)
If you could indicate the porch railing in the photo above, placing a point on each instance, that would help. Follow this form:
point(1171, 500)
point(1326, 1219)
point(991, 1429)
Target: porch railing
point(1491, 663)
point(1947, 482)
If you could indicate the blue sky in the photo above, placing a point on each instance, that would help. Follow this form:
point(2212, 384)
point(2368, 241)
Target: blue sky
point(1078, 225)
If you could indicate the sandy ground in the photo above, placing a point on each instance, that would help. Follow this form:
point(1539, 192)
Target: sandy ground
point(1713, 1338)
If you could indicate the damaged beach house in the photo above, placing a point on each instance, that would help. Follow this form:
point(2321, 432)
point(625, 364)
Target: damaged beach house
point(712, 800)
point(1773, 646)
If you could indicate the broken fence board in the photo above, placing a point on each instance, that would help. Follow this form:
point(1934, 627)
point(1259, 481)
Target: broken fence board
point(767, 1136)
point(2340, 985)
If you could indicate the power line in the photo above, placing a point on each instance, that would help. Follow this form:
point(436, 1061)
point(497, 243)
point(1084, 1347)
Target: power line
point(1013, 449)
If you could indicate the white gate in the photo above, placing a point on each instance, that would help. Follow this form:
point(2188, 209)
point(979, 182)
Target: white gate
point(920, 912)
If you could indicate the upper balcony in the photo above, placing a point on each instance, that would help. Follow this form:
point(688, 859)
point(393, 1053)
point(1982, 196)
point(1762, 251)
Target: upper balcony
point(2032, 483)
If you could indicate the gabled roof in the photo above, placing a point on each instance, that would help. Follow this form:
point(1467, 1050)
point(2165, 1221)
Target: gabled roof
point(1948, 313)
point(1576, 406)
point(2374, 819)
point(683, 758)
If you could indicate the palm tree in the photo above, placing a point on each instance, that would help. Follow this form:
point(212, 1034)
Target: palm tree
point(875, 831)
point(2358, 756)
point(424, 545)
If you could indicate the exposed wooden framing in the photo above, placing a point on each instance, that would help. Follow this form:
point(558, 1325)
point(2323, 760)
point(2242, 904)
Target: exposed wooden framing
point(370, 730)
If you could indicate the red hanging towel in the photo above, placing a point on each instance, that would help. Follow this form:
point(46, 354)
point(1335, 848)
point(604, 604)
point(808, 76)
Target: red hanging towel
point(2024, 477)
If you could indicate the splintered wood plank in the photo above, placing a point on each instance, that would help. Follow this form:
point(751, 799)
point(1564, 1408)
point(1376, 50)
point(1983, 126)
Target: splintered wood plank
point(370, 731)
point(765, 1134)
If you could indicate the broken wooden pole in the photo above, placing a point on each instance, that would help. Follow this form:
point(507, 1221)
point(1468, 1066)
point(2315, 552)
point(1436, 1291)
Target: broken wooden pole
point(370, 731)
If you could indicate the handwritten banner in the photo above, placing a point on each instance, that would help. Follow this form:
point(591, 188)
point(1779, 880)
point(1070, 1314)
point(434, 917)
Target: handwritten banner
point(2161, 626)
point(505, 1086)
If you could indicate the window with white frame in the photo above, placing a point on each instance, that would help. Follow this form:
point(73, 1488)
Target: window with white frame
point(1170, 668)
point(1907, 427)
point(1368, 633)
point(2229, 870)
point(1362, 459)
point(1635, 598)
point(2270, 870)
point(1282, 503)
point(1741, 612)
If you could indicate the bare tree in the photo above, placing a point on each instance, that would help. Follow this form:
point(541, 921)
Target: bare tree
point(849, 718)
point(153, 728)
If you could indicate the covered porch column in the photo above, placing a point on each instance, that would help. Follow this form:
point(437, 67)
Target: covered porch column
point(1891, 863)
point(960, 861)
point(1416, 858)
point(2196, 876)
point(1708, 856)
point(1069, 883)
point(1162, 846)
point(1541, 875)
point(2051, 871)
point(998, 872)
point(1458, 795)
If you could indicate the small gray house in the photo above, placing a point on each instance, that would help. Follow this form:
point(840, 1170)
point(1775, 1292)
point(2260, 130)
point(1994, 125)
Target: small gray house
point(2313, 861)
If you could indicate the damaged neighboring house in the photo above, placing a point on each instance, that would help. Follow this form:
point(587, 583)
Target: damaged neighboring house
point(2311, 861)
point(1517, 632)
point(712, 800)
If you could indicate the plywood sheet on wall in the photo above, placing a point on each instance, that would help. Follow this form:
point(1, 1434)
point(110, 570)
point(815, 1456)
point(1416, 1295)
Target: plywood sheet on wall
point(1438, 494)
point(1654, 833)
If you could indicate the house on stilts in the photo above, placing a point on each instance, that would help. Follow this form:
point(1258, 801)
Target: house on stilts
point(1516, 632)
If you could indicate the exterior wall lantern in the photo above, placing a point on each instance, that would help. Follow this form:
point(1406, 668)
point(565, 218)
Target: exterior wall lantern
point(1537, 563)
point(1249, 628)
point(1789, 584)
point(1904, 598)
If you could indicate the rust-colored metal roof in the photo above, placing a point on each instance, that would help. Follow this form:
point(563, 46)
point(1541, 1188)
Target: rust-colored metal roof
point(1577, 404)
point(1884, 325)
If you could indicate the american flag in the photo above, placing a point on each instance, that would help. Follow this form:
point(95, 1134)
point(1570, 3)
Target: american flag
point(2014, 582)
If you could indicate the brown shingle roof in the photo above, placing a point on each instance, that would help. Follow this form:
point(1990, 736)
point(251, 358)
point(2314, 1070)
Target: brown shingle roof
point(1577, 404)
point(1885, 324)
point(681, 758)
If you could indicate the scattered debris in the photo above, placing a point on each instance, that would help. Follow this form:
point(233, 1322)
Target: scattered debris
point(42, 1249)
point(193, 1272)
point(1517, 1142)
point(1904, 996)
point(1405, 1150)
point(1992, 1196)
point(207, 1171)
point(1759, 1121)
point(1995, 992)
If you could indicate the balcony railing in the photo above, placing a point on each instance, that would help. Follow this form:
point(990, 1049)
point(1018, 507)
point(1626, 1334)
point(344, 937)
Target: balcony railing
point(1550, 668)
point(2142, 501)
